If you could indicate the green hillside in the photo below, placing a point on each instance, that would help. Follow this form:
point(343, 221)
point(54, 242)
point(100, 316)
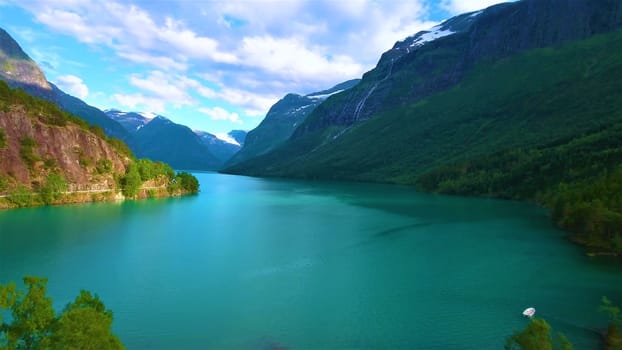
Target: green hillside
point(554, 101)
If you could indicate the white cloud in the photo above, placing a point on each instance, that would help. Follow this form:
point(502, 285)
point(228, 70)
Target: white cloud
point(130, 31)
point(219, 113)
point(165, 63)
point(462, 6)
point(240, 53)
point(140, 102)
point(290, 57)
point(254, 104)
point(73, 85)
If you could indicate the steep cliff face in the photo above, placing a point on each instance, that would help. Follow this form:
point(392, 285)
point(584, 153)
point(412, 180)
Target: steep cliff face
point(68, 150)
point(435, 60)
point(20, 70)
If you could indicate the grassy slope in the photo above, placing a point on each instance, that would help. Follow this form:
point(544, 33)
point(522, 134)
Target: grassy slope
point(545, 125)
point(524, 101)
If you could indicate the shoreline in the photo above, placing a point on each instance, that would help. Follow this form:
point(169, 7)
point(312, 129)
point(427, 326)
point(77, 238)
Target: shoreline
point(95, 196)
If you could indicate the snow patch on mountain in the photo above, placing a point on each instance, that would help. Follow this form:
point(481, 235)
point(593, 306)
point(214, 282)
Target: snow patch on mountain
point(227, 138)
point(148, 115)
point(431, 35)
point(324, 96)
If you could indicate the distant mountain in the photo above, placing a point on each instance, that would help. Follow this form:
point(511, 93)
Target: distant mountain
point(239, 136)
point(148, 144)
point(163, 140)
point(131, 121)
point(92, 115)
point(20, 71)
point(282, 119)
point(223, 150)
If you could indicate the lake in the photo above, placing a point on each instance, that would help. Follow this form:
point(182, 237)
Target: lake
point(273, 264)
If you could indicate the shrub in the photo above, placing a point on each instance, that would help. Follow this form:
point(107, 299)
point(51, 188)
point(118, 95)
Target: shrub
point(2, 139)
point(104, 166)
point(27, 151)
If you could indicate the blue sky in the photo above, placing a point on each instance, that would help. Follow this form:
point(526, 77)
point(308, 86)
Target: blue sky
point(212, 65)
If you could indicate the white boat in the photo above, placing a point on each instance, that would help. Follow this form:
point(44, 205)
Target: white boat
point(529, 312)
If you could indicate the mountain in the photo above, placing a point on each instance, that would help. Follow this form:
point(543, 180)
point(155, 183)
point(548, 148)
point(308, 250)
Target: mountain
point(150, 143)
point(282, 119)
point(20, 71)
point(396, 123)
point(239, 136)
point(515, 101)
point(48, 156)
point(163, 140)
point(131, 121)
point(221, 149)
point(92, 115)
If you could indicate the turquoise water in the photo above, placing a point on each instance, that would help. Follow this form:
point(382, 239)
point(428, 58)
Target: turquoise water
point(270, 264)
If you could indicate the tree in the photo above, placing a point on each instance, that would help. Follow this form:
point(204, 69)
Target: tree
point(130, 183)
point(146, 169)
point(32, 314)
point(537, 336)
point(54, 187)
point(2, 138)
point(20, 196)
point(613, 337)
point(84, 324)
point(188, 182)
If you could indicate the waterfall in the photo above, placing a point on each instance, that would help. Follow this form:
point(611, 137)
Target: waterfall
point(361, 104)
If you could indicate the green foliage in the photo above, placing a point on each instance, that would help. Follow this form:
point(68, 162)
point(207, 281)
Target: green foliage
point(54, 187)
point(97, 130)
point(4, 183)
point(49, 113)
point(120, 147)
point(49, 163)
point(146, 169)
point(104, 166)
point(611, 310)
point(84, 324)
point(150, 170)
point(21, 196)
point(3, 139)
point(131, 182)
point(27, 151)
point(83, 160)
point(32, 316)
point(524, 102)
point(188, 182)
point(613, 337)
point(564, 343)
point(537, 336)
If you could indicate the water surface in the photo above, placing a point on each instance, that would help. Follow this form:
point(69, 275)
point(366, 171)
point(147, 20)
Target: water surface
point(269, 264)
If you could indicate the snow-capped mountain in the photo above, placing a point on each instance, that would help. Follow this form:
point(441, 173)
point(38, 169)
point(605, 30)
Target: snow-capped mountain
point(282, 119)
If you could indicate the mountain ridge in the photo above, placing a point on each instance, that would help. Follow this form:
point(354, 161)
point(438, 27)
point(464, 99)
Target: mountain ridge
point(282, 119)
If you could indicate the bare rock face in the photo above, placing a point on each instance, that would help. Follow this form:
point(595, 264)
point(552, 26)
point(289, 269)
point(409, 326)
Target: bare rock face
point(19, 69)
point(69, 150)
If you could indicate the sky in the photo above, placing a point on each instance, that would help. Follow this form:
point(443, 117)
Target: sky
point(212, 65)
